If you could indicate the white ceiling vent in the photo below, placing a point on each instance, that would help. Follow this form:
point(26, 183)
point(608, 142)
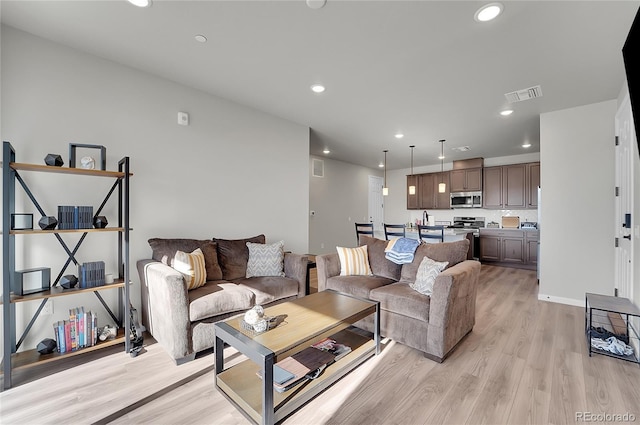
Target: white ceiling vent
point(524, 94)
point(318, 168)
point(461, 149)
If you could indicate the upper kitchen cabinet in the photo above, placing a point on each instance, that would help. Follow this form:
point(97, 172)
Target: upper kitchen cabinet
point(426, 197)
point(412, 200)
point(443, 200)
point(511, 186)
point(466, 180)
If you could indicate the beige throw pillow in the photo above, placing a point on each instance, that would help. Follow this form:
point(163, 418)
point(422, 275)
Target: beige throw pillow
point(192, 268)
point(354, 261)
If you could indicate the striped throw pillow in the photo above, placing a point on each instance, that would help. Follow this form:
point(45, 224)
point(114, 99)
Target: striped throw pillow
point(192, 268)
point(354, 261)
point(426, 276)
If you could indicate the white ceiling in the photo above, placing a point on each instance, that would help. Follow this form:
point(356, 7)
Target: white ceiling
point(425, 68)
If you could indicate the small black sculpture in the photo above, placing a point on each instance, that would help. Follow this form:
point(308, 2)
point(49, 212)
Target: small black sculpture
point(46, 346)
point(100, 222)
point(54, 160)
point(48, 223)
point(68, 281)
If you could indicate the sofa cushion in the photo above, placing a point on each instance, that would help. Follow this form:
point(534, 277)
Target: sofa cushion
point(354, 261)
point(192, 268)
point(359, 286)
point(427, 273)
point(401, 299)
point(164, 250)
point(270, 288)
point(265, 260)
point(380, 266)
point(215, 298)
point(233, 256)
point(453, 252)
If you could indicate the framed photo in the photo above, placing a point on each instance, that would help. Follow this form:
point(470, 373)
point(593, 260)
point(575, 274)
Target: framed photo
point(72, 154)
point(21, 221)
point(31, 281)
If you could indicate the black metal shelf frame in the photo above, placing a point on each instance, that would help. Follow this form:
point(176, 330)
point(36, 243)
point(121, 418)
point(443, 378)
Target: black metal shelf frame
point(122, 319)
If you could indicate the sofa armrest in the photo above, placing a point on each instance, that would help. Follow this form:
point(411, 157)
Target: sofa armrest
point(452, 312)
point(166, 304)
point(327, 265)
point(295, 267)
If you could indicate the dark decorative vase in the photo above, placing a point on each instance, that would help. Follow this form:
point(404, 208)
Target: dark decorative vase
point(48, 223)
point(54, 160)
point(68, 281)
point(100, 222)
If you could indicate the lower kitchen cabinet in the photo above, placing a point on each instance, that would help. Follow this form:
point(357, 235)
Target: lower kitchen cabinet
point(509, 247)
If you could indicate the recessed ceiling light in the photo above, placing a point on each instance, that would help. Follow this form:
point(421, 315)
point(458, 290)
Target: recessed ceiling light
point(506, 112)
point(399, 135)
point(526, 145)
point(488, 12)
point(326, 151)
point(381, 165)
point(201, 38)
point(140, 3)
point(317, 88)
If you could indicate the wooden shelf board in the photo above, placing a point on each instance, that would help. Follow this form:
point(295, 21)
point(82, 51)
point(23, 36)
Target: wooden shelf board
point(25, 359)
point(37, 231)
point(66, 170)
point(58, 291)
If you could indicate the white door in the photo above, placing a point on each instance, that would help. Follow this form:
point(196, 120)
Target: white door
point(624, 201)
point(376, 204)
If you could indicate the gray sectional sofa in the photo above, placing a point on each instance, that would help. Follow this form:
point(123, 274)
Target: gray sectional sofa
point(432, 324)
point(182, 320)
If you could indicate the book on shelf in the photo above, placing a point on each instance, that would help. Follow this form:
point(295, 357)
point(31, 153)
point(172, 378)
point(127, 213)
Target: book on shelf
point(80, 331)
point(333, 347)
point(306, 362)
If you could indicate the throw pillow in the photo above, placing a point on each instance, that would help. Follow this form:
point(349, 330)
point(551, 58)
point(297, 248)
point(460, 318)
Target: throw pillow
point(380, 266)
point(192, 268)
point(265, 260)
point(164, 250)
point(354, 261)
point(426, 275)
point(234, 254)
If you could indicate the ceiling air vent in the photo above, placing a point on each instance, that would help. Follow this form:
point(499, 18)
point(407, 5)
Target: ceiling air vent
point(524, 94)
point(461, 149)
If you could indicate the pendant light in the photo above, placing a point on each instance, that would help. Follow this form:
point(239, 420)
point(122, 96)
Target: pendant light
point(412, 188)
point(385, 189)
point(442, 187)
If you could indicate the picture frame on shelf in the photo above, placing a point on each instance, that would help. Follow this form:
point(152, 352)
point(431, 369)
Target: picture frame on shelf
point(72, 154)
point(32, 281)
point(21, 221)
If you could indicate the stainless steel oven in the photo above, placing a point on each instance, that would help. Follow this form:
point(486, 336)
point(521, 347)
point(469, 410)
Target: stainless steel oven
point(466, 200)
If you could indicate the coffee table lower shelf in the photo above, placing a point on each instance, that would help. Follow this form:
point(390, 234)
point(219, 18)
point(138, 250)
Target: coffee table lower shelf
point(242, 386)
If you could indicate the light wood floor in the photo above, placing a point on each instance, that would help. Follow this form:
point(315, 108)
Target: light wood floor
point(524, 363)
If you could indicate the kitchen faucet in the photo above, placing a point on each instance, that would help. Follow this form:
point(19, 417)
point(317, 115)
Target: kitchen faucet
point(425, 218)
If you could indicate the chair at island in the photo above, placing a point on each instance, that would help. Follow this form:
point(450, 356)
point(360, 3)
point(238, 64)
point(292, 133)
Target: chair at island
point(363, 229)
point(394, 230)
point(431, 232)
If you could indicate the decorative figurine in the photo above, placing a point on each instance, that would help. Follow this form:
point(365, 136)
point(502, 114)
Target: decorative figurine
point(100, 222)
point(48, 223)
point(54, 160)
point(68, 281)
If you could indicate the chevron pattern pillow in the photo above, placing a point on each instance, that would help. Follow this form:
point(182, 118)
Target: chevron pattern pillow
point(426, 275)
point(265, 260)
point(354, 261)
point(192, 267)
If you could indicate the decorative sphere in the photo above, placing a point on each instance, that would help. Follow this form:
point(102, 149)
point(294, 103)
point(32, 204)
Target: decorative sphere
point(260, 326)
point(87, 163)
point(259, 309)
point(251, 317)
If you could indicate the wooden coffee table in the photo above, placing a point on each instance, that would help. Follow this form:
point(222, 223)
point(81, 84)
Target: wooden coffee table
point(308, 320)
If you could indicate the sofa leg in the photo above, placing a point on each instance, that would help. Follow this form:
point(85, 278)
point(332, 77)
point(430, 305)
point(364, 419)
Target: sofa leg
point(434, 358)
point(185, 359)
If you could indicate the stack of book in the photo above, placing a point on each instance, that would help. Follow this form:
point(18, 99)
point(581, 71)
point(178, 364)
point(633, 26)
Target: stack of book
point(91, 274)
point(307, 364)
point(75, 217)
point(80, 331)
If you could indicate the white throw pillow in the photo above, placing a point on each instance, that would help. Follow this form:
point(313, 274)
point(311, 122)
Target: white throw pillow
point(354, 261)
point(426, 276)
point(192, 267)
point(265, 260)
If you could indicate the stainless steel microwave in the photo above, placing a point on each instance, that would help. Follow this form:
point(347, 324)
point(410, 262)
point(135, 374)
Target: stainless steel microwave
point(466, 200)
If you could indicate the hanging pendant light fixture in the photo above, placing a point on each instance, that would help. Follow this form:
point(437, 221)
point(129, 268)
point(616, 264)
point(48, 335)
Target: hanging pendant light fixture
point(412, 188)
point(385, 189)
point(442, 187)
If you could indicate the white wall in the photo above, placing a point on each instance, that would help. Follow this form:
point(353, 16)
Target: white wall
point(577, 180)
point(339, 200)
point(233, 172)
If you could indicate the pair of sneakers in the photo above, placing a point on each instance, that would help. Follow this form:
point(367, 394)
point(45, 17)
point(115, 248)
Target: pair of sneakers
point(108, 332)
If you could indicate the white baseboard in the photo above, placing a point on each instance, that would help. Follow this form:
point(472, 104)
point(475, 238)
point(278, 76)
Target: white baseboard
point(561, 300)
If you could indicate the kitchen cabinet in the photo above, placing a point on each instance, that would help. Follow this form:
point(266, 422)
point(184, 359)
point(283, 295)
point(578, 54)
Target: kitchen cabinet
point(511, 186)
point(412, 200)
point(509, 247)
point(466, 180)
point(427, 195)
